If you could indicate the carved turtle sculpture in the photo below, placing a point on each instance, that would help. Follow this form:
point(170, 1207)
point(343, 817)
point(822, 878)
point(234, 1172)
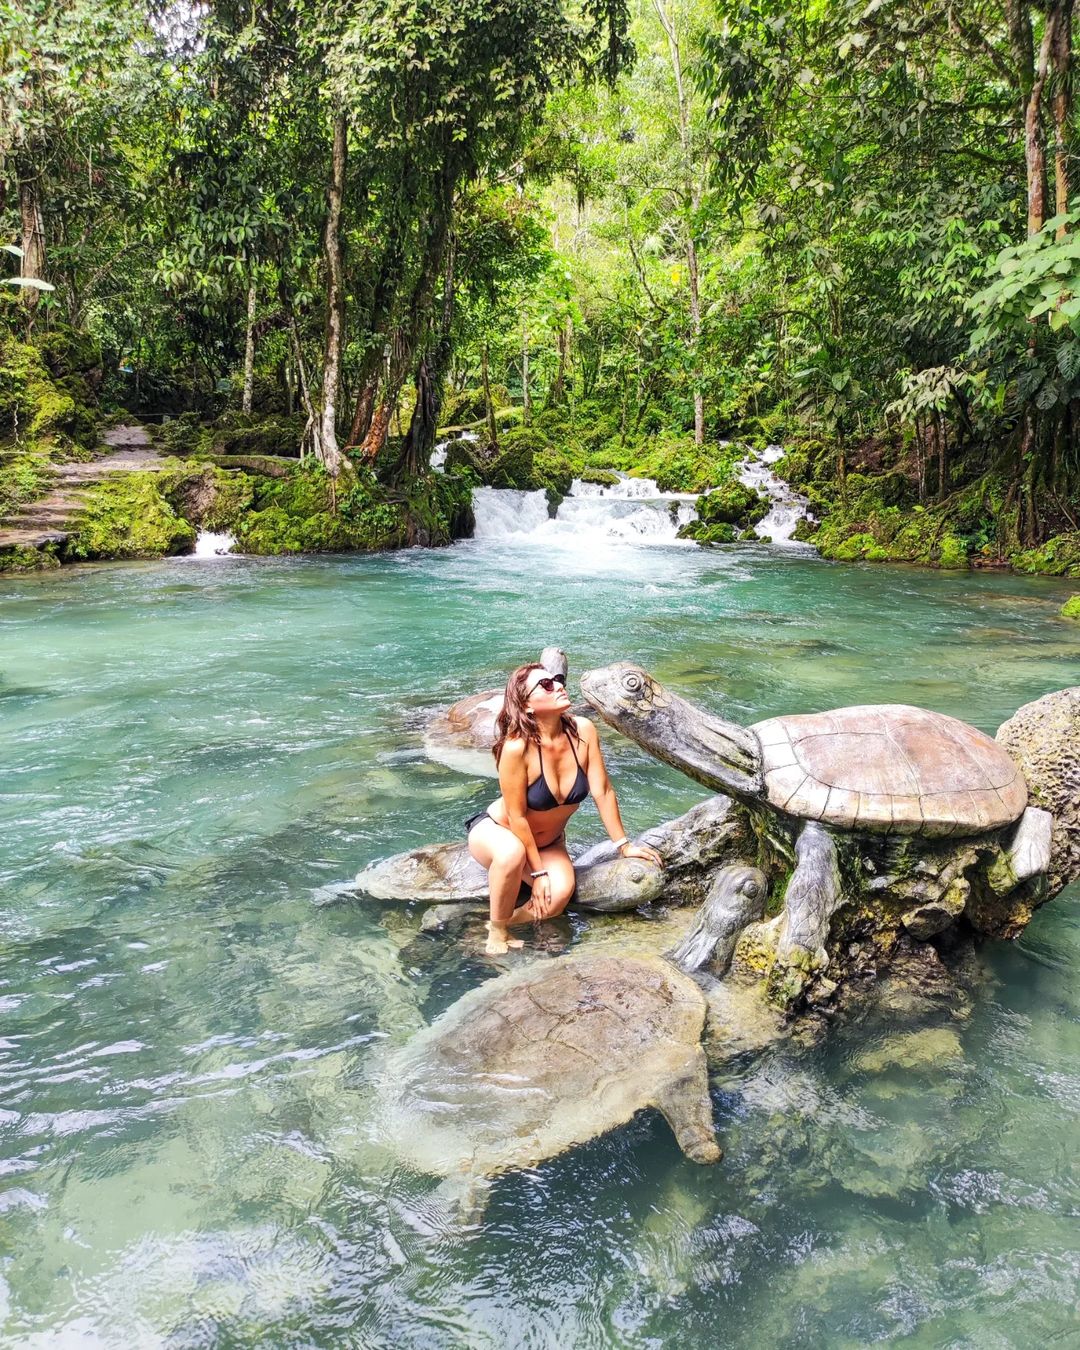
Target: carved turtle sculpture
point(539, 1060)
point(692, 846)
point(915, 811)
point(468, 726)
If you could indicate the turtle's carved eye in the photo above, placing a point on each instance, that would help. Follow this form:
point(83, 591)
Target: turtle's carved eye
point(633, 683)
point(750, 888)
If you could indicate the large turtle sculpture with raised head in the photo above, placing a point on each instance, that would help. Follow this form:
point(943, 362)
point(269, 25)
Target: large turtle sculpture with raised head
point(910, 813)
point(544, 1058)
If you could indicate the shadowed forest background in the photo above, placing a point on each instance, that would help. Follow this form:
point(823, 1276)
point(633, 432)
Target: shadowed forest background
point(597, 236)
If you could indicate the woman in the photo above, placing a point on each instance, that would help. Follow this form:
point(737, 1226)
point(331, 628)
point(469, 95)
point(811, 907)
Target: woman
point(548, 762)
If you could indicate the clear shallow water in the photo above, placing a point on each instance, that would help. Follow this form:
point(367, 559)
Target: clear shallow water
point(193, 752)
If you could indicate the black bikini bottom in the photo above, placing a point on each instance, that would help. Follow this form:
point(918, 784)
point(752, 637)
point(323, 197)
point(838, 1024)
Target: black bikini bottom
point(486, 815)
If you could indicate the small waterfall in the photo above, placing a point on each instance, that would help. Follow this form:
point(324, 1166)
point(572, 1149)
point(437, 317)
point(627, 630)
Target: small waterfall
point(438, 455)
point(788, 506)
point(632, 511)
point(501, 512)
point(209, 545)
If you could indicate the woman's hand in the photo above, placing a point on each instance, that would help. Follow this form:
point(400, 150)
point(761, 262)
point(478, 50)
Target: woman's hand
point(541, 896)
point(642, 851)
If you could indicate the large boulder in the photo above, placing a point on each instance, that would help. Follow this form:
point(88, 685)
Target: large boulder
point(1044, 739)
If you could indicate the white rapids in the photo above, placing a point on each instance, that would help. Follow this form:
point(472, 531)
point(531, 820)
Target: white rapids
point(632, 510)
point(210, 545)
point(788, 506)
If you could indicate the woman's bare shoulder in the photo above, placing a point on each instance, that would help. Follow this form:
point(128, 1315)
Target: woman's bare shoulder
point(514, 748)
point(586, 729)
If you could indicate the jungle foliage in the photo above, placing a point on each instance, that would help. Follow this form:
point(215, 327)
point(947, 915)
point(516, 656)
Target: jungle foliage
point(599, 236)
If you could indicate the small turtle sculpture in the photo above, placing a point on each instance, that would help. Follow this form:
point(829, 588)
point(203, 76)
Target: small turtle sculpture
point(919, 813)
point(544, 1058)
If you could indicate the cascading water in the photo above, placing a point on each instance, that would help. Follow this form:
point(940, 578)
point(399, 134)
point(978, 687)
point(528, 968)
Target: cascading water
point(210, 545)
point(438, 455)
point(788, 507)
point(632, 510)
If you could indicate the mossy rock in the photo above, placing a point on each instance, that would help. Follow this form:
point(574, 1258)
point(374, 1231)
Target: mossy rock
point(237, 434)
point(733, 504)
point(183, 436)
point(130, 517)
point(599, 477)
point(470, 405)
point(28, 559)
point(23, 478)
point(212, 498)
point(1071, 608)
point(702, 532)
point(1058, 557)
point(297, 514)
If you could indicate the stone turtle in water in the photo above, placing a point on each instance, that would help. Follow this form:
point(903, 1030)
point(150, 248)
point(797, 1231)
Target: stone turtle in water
point(545, 1058)
point(913, 815)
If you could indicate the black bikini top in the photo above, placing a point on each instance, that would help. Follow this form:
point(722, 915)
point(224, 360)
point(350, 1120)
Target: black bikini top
point(539, 797)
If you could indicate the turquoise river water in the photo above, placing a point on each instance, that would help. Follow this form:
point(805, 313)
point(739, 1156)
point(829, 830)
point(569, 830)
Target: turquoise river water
point(196, 754)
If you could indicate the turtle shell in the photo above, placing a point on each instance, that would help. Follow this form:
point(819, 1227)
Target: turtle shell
point(890, 768)
point(536, 1062)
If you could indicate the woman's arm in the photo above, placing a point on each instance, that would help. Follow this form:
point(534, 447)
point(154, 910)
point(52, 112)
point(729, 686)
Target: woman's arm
point(513, 786)
point(604, 796)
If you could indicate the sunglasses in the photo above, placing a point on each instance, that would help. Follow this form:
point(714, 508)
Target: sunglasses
point(548, 683)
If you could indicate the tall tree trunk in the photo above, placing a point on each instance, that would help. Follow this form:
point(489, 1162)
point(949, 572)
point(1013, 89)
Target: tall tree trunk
point(365, 406)
point(1061, 55)
point(695, 324)
point(691, 202)
point(493, 434)
point(249, 352)
point(1034, 144)
point(33, 233)
point(406, 337)
point(557, 392)
point(327, 443)
point(526, 404)
point(430, 379)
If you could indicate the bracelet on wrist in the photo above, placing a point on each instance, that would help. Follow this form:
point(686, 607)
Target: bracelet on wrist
point(618, 843)
point(534, 875)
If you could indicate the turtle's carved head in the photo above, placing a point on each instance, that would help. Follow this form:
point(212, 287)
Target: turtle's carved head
point(623, 689)
point(735, 898)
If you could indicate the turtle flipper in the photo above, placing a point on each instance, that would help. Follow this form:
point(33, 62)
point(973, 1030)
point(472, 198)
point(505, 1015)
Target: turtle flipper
point(686, 1107)
point(813, 896)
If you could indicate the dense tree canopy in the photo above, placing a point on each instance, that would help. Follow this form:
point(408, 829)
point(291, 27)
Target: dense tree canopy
point(849, 223)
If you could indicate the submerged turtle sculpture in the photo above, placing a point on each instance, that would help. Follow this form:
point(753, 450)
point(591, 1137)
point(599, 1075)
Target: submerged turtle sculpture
point(539, 1060)
point(912, 815)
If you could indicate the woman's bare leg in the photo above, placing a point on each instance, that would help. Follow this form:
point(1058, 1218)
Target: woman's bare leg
point(503, 854)
point(555, 859)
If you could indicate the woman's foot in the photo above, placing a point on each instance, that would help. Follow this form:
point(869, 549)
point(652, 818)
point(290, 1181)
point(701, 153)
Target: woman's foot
point(499, 941)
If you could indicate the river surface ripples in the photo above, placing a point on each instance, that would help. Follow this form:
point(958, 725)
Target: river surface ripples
point(196, 754)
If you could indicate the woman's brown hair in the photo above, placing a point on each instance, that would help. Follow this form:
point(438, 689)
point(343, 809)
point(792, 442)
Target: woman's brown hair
point(515, 719)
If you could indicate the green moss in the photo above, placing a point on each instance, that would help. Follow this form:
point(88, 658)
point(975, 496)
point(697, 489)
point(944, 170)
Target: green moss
point(130, 517)
point(676, 463)
point(1071, 608)
point(296, 514)
point(23, 477)
point(1058, 557)
point(599, 477)
point(237, 434)
point(28, 560)
point(735, 504)
point(702, 533)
